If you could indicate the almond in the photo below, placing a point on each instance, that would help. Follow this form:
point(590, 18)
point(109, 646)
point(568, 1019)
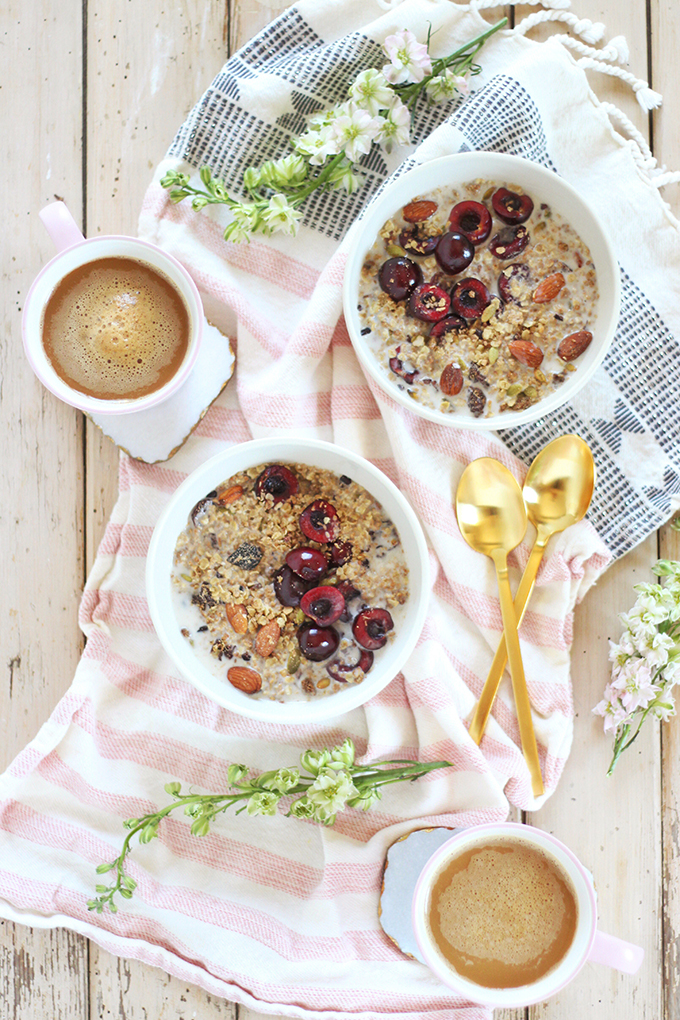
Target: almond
point(527, 352)
point(574, 345)
point(267, 638)
point(451, 381)
point(244, 679)
point(420, 210)
point(548, 288)
point(238, 618)
point(230, 496)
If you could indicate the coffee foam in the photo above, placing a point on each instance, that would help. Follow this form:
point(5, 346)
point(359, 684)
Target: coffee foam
point(116, 328)
point(502, 914)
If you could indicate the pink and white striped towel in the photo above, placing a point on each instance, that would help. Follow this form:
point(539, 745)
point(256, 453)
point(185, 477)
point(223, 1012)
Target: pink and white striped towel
point(278, 913)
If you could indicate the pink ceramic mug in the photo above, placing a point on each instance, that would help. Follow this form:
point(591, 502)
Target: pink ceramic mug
point(588, 943)
point(75, 251)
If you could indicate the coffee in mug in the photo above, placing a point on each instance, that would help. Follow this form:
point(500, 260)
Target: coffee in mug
point(506, 915)
point(112, 324)
point(115, 329)
point(502, 914)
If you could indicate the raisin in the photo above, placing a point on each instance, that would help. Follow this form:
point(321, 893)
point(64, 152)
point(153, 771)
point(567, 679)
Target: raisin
point(476, 401)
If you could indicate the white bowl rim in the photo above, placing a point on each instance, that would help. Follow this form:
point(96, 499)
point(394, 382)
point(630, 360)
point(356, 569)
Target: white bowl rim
point(159, 560)
point(499, 163)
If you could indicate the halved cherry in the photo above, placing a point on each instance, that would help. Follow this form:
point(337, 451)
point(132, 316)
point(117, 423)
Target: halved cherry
point(324, 604)
point(317, 643)
point(336, 668)
point(472, 219)
point(511, 207)
point(429, 303)
point(454, 252)
point(319, 521)
point(370, 628)
point(277, 481)
point(469, 298)
point(508, 242)
point(415, 242)
point(339, 553)
point(398, 276)
point(512, 279)
point(307, 563)
point(451, 324)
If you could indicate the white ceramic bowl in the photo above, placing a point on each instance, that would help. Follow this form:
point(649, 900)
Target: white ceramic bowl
point(388, 661)
point(543, 186)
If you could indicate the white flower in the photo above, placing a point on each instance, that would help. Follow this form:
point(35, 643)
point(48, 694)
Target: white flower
point(394, 126)
point(263, 803)
point(318, 145)
point(446, 86)
point(354, 130)
point(613, 712)
point(639, 689)
point(664, 710)
point(643, 620)
point(245, 222)
point(344, 752)
point(657, 649)
point(371, 91)
point(330, 790)
point(302, 808)
point(280, 215)
point(409, 59)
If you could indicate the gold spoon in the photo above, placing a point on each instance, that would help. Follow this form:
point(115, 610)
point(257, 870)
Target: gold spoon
point(557, 492)
point(493, 519)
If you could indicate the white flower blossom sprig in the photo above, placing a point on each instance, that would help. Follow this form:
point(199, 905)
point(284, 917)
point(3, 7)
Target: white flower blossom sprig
point(645, 662)
point(378, 111)
point(325, 783)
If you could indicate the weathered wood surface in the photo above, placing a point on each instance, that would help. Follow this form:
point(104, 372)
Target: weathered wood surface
point(93, 94)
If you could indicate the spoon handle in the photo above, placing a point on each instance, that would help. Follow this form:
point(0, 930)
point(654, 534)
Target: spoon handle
point(519, 684)
point(493, 680)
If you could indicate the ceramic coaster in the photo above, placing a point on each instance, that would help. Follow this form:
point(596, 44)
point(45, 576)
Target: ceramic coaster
point(405, 860)
point(155, 434)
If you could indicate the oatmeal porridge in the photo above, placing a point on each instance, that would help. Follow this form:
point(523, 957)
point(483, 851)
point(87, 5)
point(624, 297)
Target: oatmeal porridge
point(287, 580)
point(476, 298)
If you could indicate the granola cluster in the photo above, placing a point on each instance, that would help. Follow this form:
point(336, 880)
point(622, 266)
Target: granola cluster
point(479, 302)
point(239, 603)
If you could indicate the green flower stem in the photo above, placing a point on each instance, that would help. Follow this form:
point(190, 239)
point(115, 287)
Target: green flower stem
point(203, 808)
point(298, 194)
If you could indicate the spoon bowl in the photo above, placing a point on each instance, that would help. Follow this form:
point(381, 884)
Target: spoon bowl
point(489, 506)
point(559, 484)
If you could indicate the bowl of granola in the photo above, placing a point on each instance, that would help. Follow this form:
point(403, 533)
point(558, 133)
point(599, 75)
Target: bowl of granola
point(481, 290)
point(288, 580)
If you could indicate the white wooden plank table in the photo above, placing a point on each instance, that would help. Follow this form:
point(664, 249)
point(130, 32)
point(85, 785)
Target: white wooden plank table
point(91, 95)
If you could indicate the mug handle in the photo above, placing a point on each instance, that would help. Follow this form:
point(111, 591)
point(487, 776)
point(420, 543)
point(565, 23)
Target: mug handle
point(614, 952)
point(60, 225)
